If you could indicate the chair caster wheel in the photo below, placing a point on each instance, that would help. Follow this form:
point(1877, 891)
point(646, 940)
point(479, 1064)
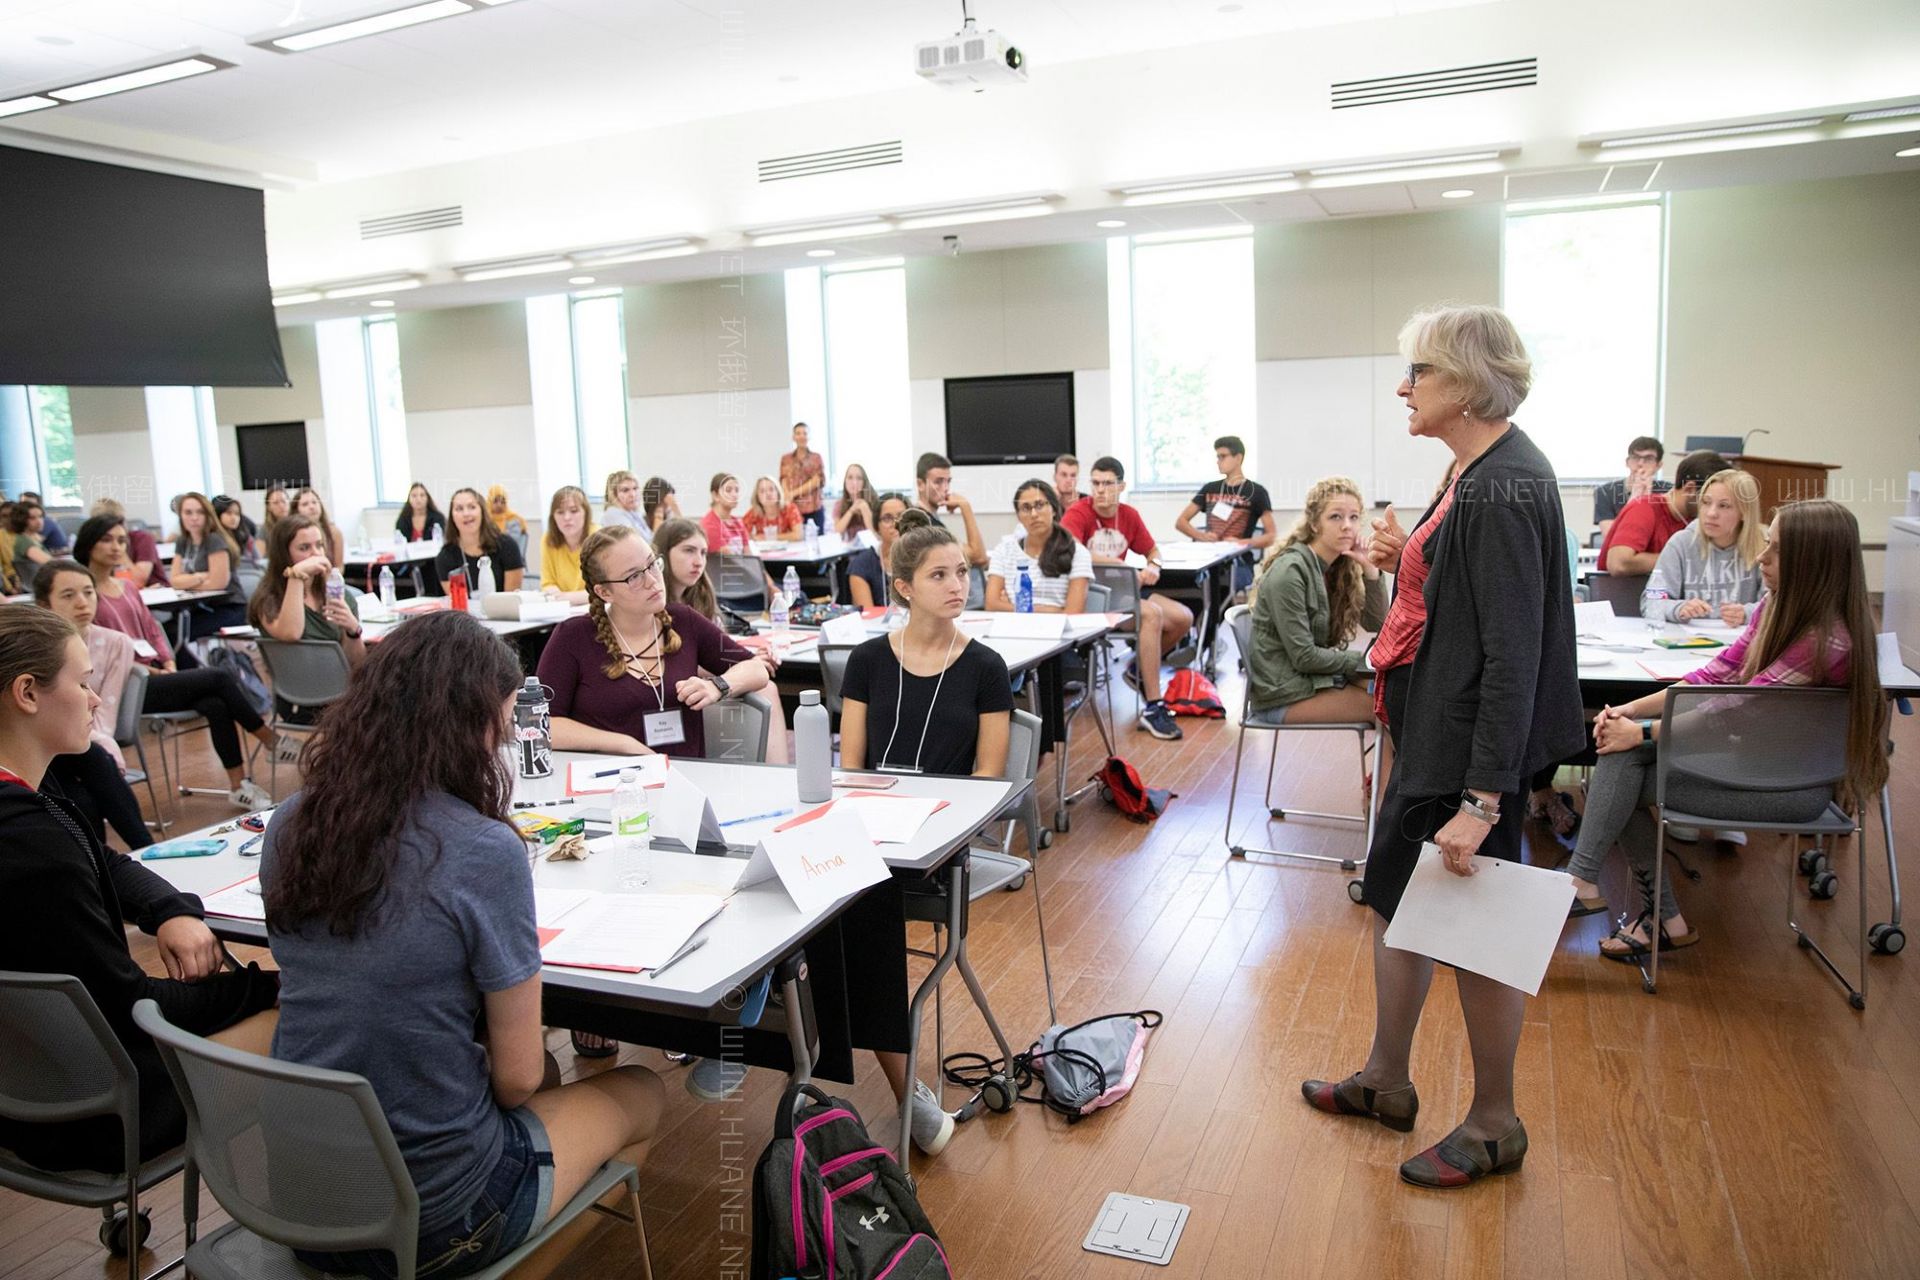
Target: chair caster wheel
point(1046, 838)
point(1806, 943)
point(1015, 886)
point(1347, 864)
point(1278, 815)
point(1812, 860)
point(113, 1232)
point(998, 1094)
point(1238, 851)
point(1357, 890)
point(1823, 885)
point(1857, 1000)
point(1647, 986)
point(1887, 939)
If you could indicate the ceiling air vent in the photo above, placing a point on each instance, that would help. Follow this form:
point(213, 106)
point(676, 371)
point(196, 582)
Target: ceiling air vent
point(812, 163)
point(1483, 77)
point(403, 224)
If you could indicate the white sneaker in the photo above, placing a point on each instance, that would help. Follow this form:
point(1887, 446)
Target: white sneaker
point(1738, 838)
point(1683, 835)
point(932, 1127)
point(251, 796)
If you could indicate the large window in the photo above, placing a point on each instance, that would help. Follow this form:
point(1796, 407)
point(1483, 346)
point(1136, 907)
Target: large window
point(847, 358)
point(1183, 337)
point(53, 445)
point(1584, 287)
point(386, 410)
point(600, 382)
point(186, 443)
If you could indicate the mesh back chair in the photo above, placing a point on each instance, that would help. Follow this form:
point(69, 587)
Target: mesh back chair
point(59, 1060)
point(1760, 740)
point(1622, 591)
point(1240, 623)
point(305, 673)
point(738, 728)
point(126, 733)
point(739, 581)
point(302, 1158)
point(1122, 582)
point(833, 670)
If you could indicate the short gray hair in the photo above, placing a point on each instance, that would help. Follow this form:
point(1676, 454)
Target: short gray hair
point(1479, 348)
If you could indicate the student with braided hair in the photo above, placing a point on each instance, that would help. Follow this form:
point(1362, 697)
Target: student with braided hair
point(626, 678)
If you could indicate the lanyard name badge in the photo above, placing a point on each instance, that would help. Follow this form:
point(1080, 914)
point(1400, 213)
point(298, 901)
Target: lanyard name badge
point(1223, 510)
point(899, 701)
point(665, 727)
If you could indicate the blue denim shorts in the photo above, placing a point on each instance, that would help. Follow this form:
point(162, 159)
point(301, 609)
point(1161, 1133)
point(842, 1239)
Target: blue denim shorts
point(514, 1203)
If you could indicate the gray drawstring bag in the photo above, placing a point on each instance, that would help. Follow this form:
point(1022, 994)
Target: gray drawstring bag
point(1092, 1064)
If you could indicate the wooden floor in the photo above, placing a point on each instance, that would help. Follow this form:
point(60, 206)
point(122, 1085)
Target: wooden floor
point(1744, 1122)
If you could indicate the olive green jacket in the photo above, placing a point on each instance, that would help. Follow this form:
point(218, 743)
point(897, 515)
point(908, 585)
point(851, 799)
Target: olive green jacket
point(1291, 658)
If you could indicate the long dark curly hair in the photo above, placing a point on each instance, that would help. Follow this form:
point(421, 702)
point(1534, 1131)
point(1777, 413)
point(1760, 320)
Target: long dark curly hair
point(333, 856)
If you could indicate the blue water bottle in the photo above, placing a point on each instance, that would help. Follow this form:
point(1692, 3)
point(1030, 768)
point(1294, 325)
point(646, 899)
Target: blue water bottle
point(1023, 594)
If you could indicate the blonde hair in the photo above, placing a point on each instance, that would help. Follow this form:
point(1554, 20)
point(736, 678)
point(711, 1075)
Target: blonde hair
point(1346, 580)
point(1480, 349)
point(614, 480)
point(1745, 491)
point(591, 550)
point(779, 499)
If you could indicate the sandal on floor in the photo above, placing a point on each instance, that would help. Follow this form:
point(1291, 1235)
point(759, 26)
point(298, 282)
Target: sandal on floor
point(1635, 949)
point(588, 1045)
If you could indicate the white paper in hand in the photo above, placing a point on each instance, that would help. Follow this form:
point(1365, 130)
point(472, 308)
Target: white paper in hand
point(820, 859)
point(1502, 922)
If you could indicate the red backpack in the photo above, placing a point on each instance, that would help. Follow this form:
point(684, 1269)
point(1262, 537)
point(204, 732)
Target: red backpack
point(1120, 783)
point(1190, 693)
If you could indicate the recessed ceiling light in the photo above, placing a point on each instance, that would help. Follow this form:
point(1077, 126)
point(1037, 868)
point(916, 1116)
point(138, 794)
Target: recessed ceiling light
point(367, 288)
point(579, 279)
point(380, 302)
point(20, 106)
point(318, 35)
point(507, 268)
point(1111, 222)
point(176, 68)
point(820, 253)
point(1457, 193)
point(1907, 154)
point(58, 41)
point(813, 232)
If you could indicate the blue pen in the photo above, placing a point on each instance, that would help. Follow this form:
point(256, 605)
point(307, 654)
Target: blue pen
point(756, 817)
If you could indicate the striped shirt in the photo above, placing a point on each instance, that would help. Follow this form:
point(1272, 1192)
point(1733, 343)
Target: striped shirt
point(1799, 663)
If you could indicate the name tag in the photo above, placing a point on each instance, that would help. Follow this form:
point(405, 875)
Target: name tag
point(143, 650)
point(1222, 511)
point(664, 729)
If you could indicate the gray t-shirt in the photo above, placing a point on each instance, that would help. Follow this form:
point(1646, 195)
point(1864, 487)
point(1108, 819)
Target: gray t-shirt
point(400, 1004)
point(195, 557)
point(1683, 573)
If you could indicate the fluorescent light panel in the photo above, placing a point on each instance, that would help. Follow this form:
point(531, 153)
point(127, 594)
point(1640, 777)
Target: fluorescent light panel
point(297, 299)
point(327, 33)
point(1385, 166)
point(1205, 184)
point(20, 106)
point(808, 235)
point(643, 251)
point(963, 215)
point(864, 264)
point(1376, 177)
point(1605, 200)
point(367, 288)
point(1883, 113)
point(159, 73)
point(1696, 135)
point(514, 267)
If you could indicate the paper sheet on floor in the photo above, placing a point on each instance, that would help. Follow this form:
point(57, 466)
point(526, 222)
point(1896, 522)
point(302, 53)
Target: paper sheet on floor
point(1502, 922)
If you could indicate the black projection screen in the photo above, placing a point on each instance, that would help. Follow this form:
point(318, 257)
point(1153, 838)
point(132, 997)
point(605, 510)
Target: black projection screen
point(1021, 417)
point(118, 277)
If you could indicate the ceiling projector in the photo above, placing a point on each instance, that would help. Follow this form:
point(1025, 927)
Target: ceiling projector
point(970, 59)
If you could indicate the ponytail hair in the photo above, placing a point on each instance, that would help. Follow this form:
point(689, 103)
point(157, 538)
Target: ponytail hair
point(916, 533)
point(1056, 557)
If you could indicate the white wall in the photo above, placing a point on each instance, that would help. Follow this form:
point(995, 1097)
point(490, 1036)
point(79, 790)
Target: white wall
point(687, 438)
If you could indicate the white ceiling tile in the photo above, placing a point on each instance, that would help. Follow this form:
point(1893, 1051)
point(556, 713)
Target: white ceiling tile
point(1554, 185)
point(1388, 197)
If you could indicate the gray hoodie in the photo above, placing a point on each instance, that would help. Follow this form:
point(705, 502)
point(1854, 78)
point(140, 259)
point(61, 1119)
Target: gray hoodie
point(1683, 574)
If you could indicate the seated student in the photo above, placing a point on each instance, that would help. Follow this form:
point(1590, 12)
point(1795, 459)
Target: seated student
point(213, 693)
point(1711, 568)
point(1644, 457)
point(472, 536)
point(933, 494)
point(768, 516)
point(1058, 567)
point(898, 689)
point(26, 524)
point(53, 537)
point(1633, 545)
point(400, 909)
point(1231, 509)
point(1110, 528)
point(726, 532)
point(569, 525)
point(307, 503)
point(245, 534)
point(1814, 628)
point(682, 549)
point(1318, 590)
point(866, 568)
point(625, 678)
point(505, 518)
point(292, 602)
point(142, 560)
point(71, 900)
point(206, 558)
point(854, 511)
point(658, 503)
point(420, 519)
point(623, 503)
point(1066, 479)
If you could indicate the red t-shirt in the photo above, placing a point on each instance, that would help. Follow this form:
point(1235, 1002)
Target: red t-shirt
point(760, 525)
point(1644, 524)
point(1406, 620)
point(722, 535)
point(1108, 537)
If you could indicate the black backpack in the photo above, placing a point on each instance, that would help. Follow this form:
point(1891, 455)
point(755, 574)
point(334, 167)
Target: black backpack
point(831, 1204)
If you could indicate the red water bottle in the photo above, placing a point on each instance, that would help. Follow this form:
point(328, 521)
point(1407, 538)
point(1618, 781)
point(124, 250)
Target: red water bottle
point(457, 590)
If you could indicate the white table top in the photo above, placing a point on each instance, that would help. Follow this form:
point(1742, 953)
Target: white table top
point(167, 597)
point(760, 924)
point(1191, 557)
point(377, 630)
point(796, 552)
point(1020, 654)
point(394, 553)
point(1623, 651)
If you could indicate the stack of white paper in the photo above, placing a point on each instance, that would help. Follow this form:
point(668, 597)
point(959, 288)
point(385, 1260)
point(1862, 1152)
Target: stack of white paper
point(237, 902)
point(628, 932)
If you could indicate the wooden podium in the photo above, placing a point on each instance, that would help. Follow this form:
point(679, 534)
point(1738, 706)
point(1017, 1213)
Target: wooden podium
point(1783, 481)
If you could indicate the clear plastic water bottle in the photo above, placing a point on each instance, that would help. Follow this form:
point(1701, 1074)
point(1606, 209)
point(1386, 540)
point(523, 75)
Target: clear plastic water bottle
point(336, 584)
point(399, 538)
point(813, 749)
point(813, 538)
point(778, 613)
point(532, 732)
point(1023, 594)
point(387, 595)
point(632, 825)
point(790, 586)
point(483, 579)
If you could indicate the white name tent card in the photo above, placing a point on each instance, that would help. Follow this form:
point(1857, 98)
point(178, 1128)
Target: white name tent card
point(1502, 922)
point(1594, 617)
point(848, 628)
point(1028, 626)
point(891, 819)
point(683, 816)
point(819, 857)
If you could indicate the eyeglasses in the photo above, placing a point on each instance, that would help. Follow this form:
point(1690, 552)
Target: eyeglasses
point(1033, 508)
point(1413, 374)
point(647, 570)
point(1643, 457)
point(890, 519)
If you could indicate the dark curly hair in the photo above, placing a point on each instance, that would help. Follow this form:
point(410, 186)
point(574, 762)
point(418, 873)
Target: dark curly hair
point(333, 856)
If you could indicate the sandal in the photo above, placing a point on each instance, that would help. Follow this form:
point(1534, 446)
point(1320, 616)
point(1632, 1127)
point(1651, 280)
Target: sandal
point(1556, 810)
point(1634, 949)
point(588, 1045)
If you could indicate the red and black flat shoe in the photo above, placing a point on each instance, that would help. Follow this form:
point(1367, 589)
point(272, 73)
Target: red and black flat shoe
point(1457, 1160)
point(1394, 1108)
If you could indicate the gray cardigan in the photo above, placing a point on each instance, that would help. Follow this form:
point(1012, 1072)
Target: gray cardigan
point(1292, 657)
point(1494, 694)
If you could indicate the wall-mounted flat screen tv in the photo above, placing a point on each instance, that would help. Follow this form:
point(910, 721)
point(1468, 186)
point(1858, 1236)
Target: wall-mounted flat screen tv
point(272, 453)
point(1021, 417)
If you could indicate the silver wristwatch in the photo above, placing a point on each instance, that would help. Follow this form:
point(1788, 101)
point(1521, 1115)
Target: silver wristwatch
point(1471, 805)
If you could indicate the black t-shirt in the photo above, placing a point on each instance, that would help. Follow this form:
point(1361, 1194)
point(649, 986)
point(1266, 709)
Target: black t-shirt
point(975, 685)
point(506, 555)
point(865, 565)
point(1609, 498)
point(1248, 500)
